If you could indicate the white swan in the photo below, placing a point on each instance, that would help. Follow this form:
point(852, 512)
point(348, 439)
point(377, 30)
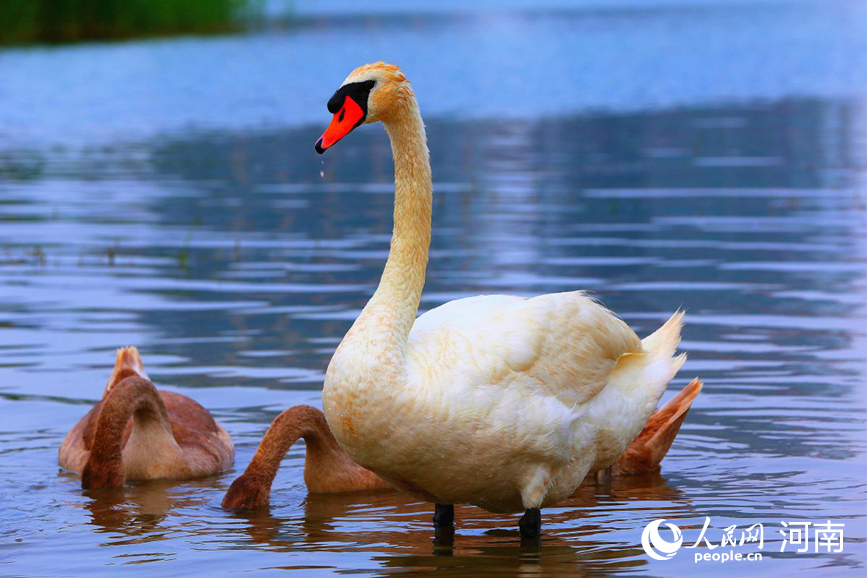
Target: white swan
point(503, 402)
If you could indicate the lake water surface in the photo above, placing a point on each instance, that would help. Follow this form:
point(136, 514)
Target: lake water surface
point(166, 194)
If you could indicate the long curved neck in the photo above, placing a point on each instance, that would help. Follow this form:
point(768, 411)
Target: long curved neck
point(327, 467)
point(394, 305)
point(135, 398)
point(286, 429)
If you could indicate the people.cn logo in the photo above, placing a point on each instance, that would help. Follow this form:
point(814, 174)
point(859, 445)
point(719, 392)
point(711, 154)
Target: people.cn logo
point(655, 546)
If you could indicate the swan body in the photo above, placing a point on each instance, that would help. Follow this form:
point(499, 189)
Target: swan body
point(503, 402)
point(520, 405)
point(139, 433)
point(645, 453)
point(328, 469)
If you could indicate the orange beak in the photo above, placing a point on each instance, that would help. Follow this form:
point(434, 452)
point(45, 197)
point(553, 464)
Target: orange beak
point(345, 120)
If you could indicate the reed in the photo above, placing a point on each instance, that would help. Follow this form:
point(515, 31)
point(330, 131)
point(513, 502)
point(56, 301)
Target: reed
point(52, 21)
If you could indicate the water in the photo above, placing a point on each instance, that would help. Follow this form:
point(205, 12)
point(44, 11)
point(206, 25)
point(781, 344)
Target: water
point(207, 236)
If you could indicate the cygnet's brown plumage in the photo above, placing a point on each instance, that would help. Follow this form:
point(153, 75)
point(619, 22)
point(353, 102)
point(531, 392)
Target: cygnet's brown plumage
point(327, 468)
point(137, 432)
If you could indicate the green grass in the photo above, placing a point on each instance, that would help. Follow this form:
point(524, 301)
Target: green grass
point(50, 21)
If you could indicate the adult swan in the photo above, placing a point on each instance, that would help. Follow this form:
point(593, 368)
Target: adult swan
point(503, 402)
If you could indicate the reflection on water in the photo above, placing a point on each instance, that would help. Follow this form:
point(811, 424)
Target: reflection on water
point(397, 533)
point(236, 269)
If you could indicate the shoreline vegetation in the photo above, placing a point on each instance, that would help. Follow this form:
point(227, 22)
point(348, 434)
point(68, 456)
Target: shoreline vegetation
point(64, 21)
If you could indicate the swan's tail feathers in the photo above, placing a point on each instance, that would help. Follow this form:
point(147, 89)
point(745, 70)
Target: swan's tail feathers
point(661, 362)
point(127, 364)
point(663, 342)
point(646, 452)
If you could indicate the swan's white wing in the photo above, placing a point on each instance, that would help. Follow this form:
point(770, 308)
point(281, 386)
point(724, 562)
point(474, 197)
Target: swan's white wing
point(561, 345)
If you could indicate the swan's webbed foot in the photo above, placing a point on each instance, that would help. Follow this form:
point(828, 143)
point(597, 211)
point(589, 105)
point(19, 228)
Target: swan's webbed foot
point(531, 524)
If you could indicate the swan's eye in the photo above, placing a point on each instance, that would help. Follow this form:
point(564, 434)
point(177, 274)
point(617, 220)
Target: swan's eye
point(358, 91)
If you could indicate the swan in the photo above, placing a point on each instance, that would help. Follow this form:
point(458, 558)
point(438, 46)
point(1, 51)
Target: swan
point(645, 453)
point(139, 433)
point(328, 469)
point(499, 401)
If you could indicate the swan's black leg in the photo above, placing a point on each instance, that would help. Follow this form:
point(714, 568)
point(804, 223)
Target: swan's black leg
point(444, 529)
point(531, 524)
point(444, 515)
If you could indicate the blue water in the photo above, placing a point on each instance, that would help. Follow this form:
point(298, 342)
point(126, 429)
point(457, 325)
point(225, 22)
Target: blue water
point(166, 194)
point(546, 62)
